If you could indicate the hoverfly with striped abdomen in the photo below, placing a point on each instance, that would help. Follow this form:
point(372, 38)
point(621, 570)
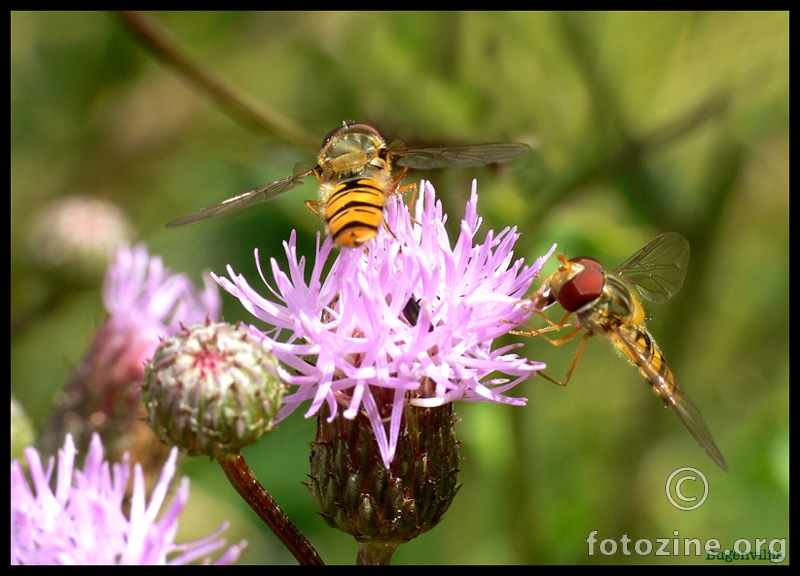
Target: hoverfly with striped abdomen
point(354, 169)
point(603, 303)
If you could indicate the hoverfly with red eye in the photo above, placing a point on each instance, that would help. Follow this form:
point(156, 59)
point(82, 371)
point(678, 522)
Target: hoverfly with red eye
point(603, 303)
point(354, 169)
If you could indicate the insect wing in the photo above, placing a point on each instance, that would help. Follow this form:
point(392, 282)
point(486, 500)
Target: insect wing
point(690, 415)
point(250, 198)
point(658, 269)
point(664, 383)
point(458, 156)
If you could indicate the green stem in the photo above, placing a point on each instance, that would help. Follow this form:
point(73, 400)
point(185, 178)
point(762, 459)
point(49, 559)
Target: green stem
point(228, 96)
point(374, 553)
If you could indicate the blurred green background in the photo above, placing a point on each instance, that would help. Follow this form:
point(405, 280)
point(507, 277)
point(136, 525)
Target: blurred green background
point(643, 123)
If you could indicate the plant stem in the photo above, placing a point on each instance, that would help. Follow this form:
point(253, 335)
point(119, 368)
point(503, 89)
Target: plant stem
point(374, 553)
point(228, 96)
point(257, 497)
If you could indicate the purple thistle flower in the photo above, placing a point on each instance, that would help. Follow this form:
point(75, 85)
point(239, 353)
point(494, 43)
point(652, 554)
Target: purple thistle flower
point(84, 520)
point(146, 302)
point(353, 333)
point(147, 299)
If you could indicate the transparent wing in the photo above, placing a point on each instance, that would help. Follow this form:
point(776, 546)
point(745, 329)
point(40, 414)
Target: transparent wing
point(457, 156)
point(640, 347)
point(658, 269)
point(255, 196)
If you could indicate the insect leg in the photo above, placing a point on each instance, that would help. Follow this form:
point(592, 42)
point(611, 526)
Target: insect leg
point(406, 188)
point(394, 186)
point(316, 207)
point(550, 328)
point(394, 183)
point(389, 230)
point(574, 362)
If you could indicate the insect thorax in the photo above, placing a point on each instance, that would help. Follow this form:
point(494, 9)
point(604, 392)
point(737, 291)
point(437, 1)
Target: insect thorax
point(350, 153)
point(615, 305)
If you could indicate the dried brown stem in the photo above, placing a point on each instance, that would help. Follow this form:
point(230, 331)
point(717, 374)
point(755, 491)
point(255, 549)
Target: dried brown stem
point(247, 485)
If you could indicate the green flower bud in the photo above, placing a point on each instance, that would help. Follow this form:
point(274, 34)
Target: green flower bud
point(212, 389)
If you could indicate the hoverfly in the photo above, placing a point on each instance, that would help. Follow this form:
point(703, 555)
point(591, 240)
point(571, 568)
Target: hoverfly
point(603, 303)
point(354, 169)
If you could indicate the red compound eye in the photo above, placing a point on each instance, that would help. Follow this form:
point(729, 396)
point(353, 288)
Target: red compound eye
point(584, 286)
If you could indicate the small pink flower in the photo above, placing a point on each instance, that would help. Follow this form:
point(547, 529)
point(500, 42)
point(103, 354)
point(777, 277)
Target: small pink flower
point(83, 520)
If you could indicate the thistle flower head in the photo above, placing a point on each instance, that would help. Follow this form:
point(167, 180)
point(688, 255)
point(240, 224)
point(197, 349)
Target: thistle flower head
point(149, 301)
point(212, 389)
point(83, 520)
point(146, 302)
point(407, 308)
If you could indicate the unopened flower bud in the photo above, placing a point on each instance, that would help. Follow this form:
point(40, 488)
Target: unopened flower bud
point(212, 389)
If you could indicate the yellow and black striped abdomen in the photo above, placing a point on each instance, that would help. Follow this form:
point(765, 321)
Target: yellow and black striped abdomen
point(640, 347)
point(645, 354)
point(354, 210)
